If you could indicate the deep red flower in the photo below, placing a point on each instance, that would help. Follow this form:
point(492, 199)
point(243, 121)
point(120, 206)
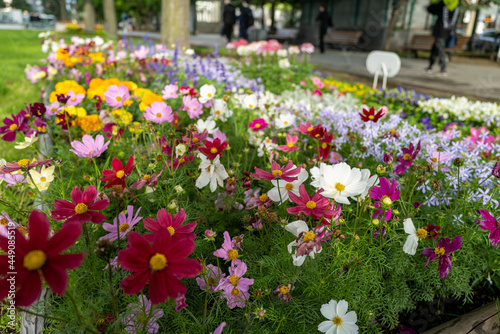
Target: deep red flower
point(62, 119)
point(287, 173)
point(162, 265)
point(316, 206)
point(38, 257)
point(18, 123)
point(317, 132)
point(432, 231)
point(118, 174)
point(442, 252)
point(194, 139)
point(82, 209)
point(173, 225)
point(325, 146)
point(406, 160)
point(109, 128)
point(371, 115)
point(213, 148)
point(36, 109)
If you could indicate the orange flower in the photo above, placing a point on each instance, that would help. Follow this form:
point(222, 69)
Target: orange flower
point(148, 99)
point(90, 123)
point(64, 87)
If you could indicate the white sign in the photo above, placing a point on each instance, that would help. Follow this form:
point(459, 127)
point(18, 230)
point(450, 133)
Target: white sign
point(382, 62)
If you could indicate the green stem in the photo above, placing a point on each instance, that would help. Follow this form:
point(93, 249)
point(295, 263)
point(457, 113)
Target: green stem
point(89, 328)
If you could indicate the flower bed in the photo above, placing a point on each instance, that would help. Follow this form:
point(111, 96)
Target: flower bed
point(185, 196)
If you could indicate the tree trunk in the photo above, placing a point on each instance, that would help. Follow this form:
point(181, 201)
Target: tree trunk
point(89, 14)
point(31, 324)
point(273, 16)
point(63, 11)
point(392, 23)
point(175, 22)
point(110, 16)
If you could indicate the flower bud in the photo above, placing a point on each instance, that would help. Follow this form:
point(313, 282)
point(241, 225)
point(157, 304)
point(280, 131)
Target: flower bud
point(376, 222)
point(179, 189)
point(209, 234)
point(459, 162)
point(380, 170)
point(388, 159)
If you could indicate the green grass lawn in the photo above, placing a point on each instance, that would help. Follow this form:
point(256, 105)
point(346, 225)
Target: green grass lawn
point(17, 49)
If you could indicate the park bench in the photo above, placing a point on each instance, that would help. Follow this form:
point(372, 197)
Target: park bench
point(285, 34)
point(425, 42)
point(343, 37)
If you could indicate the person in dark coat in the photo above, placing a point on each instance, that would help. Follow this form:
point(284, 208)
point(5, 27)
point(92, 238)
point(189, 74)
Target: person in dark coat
point(324, 22)
point(228, 20)
point(246, 20)
point(447, 12)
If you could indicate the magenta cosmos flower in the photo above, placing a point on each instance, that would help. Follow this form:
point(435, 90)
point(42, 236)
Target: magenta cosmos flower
point(164, 221)
point(123, 224)
point(89, 147)
point(442, 252)
point(236, 286)
point(385, 195)
point(82, 209)
point(18, 123)
point(287, 173)
point(116, 95)
point(258, 124)
point(316, 206)
point(159, 112)
point(490, 223)
point(228, 250)
point(406, 160)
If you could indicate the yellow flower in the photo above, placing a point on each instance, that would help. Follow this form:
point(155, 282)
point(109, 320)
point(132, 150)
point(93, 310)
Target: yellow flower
point(148, 99)
point(135, 128)
point(64, 87)
point(76, 111)
point(96, 57)
point(89, 123)
point(99, 86)
point(130, 85)
point(122, 117)
point(41, 179)
point(140, 92)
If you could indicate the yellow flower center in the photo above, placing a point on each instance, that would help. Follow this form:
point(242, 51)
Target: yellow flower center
point(339, 187)
point(284, 290)
point(118, 98)
point(4, 221)
point(147, 177)
point(211, 281)
point(23, 230)
point(386, 200)
point(233, 280)
point(34, 260)
point(124, 227)
point(120, 174)
point(439, 251)
point(43, 179)
point(263, 198)
point(289, 186)
point(406, 157)
point(371, 117)
point(90, 152)
point(324, 145)
point(81, 208)
point(309, 129)
point(73, 99)
point(232, 254)
point(171, 230)
point(285, 122)
point(310, 205)
point(182, 160)
point(158, 115)
point(213, 150)
point(257, 125)
point(434, 160)
point(235, 292)
point(209, 95)
point(158, 262)
point(277, 172)
point(337, 321)
point(23, 162)
point(13, 127)
point(217, 112)
point(422, 233)
point(195, 140)
point(309, 236)
point(250, 106)
point(289, 145)
point(392, 130)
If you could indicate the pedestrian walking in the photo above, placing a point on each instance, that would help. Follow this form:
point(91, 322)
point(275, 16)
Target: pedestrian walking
point(246, 19)
point(325, 22)
point(447, 16)
point(228, 20)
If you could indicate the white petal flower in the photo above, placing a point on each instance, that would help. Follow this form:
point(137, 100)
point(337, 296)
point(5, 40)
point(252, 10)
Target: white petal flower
point(340, 182)
point(220, 111)
point(285, 121)
point(339, 321)
point(208, 125)
point(212, 171)
point(41, 179)
point(283, 187)
point(411, 244)
point(207, 93)
point(250, 101)
point(28, 141)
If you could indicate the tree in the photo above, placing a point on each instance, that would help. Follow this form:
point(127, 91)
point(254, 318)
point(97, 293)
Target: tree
point(110, 16)
point(175, 22)
point(392, 22)
point(89, 14)
point(21, 4)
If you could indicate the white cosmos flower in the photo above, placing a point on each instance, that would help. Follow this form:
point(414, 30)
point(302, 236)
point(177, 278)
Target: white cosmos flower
point(208, 125)
point(296, 228)
point(250, 101)
point(28, 141)
point(212, 171)
point(414, 235)
point(370, 182)
point(340, 181)
point(220, 111)
point(339, 321)
point(317, 174)
point(41, 179)
point(180, 150)
point(207, 92)
point(285, 121)
point(284, 187)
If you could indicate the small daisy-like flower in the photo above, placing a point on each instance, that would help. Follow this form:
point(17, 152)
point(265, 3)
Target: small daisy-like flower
point(414, 235)
point(250, 101)
point(42, 179)
point(285, 121)
point(283, 292)
point(228, 250)
point(290, 144)
point(339, 320)
point(159, 112)
point(123, 224)
point(372, 115)
point(83, 208)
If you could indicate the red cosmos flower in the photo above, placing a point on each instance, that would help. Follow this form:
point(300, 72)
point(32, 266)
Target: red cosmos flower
point(161, 264)
point(371, 115)
point(317, 132)
point(432, 231)
point(287, 173)
point(186, 90)
point(111, 128)
point(406, 160)
point(18, 123)
point(181, 161)
point(213, 148)
point(10, 167)
point(38, 257)
point(316, 207)
point(83, 208)
point(325, 147)
point(165, 222)
point(118, 174)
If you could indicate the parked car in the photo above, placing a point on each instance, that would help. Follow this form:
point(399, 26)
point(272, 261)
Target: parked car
point(487, 41)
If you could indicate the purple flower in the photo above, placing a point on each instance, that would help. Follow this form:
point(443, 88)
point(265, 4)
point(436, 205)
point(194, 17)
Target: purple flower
point(496, 170)
point(442, 252)
point(146, 180)
point(213, 276)
point(13, 179)
point(490, 223)
point(406, 160)
point(140, 317)
point(385, 195)
point(219, 329)
point(388, 158)
point(228, 250)
point(236, 286)
point(90, 147)
point(125, 226)
point(18, 123)
point(74, 99)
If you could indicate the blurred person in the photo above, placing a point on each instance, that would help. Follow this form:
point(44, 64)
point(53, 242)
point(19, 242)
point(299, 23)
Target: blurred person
point(246, 19)
point(447, 12)
point(325, 22)
point(228, 20)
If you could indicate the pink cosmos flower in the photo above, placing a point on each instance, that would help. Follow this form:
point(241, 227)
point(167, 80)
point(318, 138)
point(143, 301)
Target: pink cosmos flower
point(437, 158)
point(89, 147)
point(480, 136)
point(258, 124)
point(124, 224)
point(385, 195)
point(13, 179)
point(335, 158)
point(170, 92)
point(159, 112)
point(74, 99)
point(236, 286)
point(6, 223)
point(146, 180)
point(218, 134)
point(211, 279)
point(116, 95)
point(164, 221)
point(53, 109)
point(192, 106)
point(228, 250)
point(442, 252)
point(490, 223)
point(317, 81)
point(180, 303)
point(290, 144)
point(219, 329)
point(141, 53)
point(316, 206)
point(306, 128)
point(406, 160)
point(287, 173)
